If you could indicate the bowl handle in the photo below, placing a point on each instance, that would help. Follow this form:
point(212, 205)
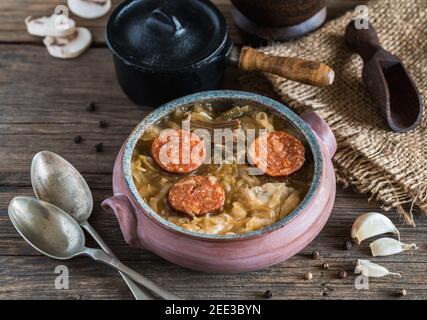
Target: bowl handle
point(322, 130)
point(119, 205)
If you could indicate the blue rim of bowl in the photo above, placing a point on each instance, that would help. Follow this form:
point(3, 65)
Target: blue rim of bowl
point(169, 107)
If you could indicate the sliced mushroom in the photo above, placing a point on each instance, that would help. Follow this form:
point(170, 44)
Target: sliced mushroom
point(70, 46)
point(89, 9)
point(57, 25)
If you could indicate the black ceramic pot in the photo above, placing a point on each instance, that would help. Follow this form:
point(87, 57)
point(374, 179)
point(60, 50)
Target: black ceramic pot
point(165, 49)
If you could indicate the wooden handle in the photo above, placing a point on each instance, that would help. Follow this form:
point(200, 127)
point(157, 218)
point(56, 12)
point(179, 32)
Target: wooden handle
point(300, 70)
point(365, 42)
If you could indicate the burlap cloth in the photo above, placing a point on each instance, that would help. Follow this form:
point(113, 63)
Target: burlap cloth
point(391, 167)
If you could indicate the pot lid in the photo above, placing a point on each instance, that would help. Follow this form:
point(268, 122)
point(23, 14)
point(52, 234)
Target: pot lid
point(166, 34)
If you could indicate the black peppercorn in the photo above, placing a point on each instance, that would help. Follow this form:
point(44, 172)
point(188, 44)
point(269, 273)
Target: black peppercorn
point(324, 293)
point(342, 274)
point(347, 245)
point(103, 124)
point(99, 147)
point(78, 139)
point(268, 294)
point(315, 255)
point(91, 107)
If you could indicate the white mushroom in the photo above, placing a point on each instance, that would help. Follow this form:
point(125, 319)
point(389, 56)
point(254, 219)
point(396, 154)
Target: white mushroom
point(70, 46)
point(57, 25)
point(89, 9)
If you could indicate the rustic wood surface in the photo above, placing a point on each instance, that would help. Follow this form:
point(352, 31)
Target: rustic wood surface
point(42, 107)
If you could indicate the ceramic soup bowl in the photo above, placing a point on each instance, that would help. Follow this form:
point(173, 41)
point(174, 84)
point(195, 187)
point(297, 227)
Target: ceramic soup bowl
point(144, 228)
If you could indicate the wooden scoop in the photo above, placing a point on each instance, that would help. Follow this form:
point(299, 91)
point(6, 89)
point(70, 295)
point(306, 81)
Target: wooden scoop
point(387, 80)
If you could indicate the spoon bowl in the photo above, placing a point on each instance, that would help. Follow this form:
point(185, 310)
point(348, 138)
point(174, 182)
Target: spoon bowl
point(56, 181)
point(46, 228)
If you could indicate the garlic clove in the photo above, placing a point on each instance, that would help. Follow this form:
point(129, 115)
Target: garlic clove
point(89, 9)
point(371, 224)
point(70, 46)
point(389, 246)
point(57, 25)
point(370, 269)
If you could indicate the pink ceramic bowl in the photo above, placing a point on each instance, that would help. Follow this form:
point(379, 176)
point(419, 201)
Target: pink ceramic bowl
point(142, 227)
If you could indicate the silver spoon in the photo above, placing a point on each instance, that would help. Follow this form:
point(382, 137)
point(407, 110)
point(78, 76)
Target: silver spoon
point(54, 233)
point(56, 181)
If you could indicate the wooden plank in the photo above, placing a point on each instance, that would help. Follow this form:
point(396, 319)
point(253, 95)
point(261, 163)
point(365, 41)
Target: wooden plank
point(28, 275)
point(50, 109)
point(47, 104)
point(14, 12)
point(43, 107)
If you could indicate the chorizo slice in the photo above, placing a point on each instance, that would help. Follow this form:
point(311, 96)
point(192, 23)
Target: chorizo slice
point(197, 195)
point(277, 153)
point(178, 151)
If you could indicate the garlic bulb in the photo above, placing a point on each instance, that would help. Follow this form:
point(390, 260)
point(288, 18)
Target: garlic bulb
point(389, 246)
point(370, 269)
point(89, 9)
point(371, 224)
point(57, 25)
point(70, 46)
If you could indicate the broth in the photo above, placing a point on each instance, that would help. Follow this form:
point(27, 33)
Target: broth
point(252, 202)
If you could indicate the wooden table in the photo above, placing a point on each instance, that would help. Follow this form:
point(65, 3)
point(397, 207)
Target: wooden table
point(43, 107)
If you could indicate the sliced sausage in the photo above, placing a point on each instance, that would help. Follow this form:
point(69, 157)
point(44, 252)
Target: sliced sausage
point(178, 151)
point(197, 195)
point(277, 154)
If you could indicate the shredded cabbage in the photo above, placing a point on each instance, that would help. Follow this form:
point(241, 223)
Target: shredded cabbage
point(251, 202)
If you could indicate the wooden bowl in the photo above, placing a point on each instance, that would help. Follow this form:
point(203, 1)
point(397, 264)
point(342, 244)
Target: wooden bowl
point(279, 13)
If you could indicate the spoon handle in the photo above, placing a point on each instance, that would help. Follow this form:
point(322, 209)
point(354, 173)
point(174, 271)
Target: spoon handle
point(101, 256)
point(137, 292)
point(365, 42)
